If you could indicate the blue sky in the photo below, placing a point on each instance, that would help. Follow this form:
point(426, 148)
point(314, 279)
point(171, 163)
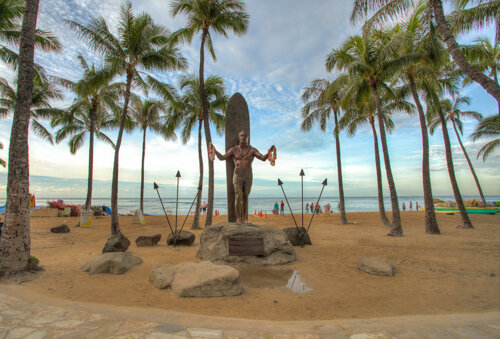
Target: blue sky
point(284, 49)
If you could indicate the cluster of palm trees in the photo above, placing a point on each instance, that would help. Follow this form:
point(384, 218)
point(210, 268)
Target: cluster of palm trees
point(103, 102)
point(415, 58)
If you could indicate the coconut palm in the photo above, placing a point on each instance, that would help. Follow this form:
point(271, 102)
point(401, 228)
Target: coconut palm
point(321, 99)
point(390, 9)
point(150, 114)
point(40, 107)
point(485, 56)
point(15, 244)
point(366, 60)
point(140, 45)
point(2, 162)
point(203, 16)
point(189, 110)
point(453, 113)
point(445, 80)
point(92, 112)
point(11, 14)
point(489, 127)
point(413, 37)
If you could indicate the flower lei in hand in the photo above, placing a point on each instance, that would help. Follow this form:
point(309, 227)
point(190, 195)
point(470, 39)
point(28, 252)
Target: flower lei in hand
point(211, 152)
point(271, 155)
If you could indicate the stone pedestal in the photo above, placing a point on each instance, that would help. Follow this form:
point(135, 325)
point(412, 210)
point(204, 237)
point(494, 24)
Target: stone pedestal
point(229, 243)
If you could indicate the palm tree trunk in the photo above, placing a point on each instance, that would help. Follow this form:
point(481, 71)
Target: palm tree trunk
point(343, 217)
point(489, 85)
point(469, 163)
point(196, 219)
point(115, 226)
point(451, 171)
point(380, 191)
point(88, 201)
point(495, 77)
point(142, 167)
point(208, 137)
point(396, 229)
point(431, 224)
point(15, 243)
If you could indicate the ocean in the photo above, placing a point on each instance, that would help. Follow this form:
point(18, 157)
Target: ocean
point(353, 204)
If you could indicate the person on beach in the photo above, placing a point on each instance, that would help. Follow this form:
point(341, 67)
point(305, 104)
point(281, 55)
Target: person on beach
point(404, 207)
point(307, 207)
point(416, 206)
point(282, 208)
point(242, 155)
point(312, 207)
point(410, 206)
point(275, 209)
point(205, 207)
point(327, 208)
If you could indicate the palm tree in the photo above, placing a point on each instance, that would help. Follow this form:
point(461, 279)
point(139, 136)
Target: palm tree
point(205, 15)
point(149, 114)
point(2, 162)
point(321, 99)
point(366, 60)
point(40, 106)
point(91, 112)
point(15, 244)
point(445, 79)
point(485, 56)
point(413, 37)
point(140, 44)
point(11, 14)
point(189, 110)
point(489, 127)
point(454, 114)
point(390, 9)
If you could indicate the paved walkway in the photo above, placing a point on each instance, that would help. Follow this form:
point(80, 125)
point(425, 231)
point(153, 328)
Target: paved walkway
point(38, 317)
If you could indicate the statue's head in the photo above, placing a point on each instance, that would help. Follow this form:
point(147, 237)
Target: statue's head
point(243, 137)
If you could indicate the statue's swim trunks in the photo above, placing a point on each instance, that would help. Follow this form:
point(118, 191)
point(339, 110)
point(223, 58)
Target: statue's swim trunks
point(242, 181)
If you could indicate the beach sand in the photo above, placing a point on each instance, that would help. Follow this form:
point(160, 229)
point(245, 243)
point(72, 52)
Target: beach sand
point(457, 271)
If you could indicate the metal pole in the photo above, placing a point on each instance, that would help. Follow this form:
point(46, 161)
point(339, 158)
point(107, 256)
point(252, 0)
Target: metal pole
point(280, 184)
point(156, 188)
point(324, 183)
point(178, 175)
point(302, 193)
point(199, 189)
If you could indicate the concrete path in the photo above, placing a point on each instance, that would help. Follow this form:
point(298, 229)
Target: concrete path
point(34, 317)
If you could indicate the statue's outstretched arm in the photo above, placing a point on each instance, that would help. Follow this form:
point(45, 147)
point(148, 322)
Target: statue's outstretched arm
point(259, 156)
point(225, 156)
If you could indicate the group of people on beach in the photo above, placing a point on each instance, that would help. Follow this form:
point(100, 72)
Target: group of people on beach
point(314, 208)
point(403, 207)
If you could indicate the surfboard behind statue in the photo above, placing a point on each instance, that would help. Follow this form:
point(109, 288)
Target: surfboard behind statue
point(237, 119)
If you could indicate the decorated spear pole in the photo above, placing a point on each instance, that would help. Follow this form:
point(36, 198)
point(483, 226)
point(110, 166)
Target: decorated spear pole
point(178, 176)
point(302, 192)
point(166, 215)
point(280, 184)
point(324, 183)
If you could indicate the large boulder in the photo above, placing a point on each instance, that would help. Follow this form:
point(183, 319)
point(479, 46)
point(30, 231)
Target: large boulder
point(162, 276)
point(295, 236)
point(206, 279)
point(185, 238)
point(113, 262)
point(147, 240)
point(374, 265)
point(60, 229)
point(116, 243)
point(214, 244)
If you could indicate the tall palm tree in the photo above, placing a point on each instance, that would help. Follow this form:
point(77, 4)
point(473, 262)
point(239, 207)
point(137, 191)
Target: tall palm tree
point(189, 110)
point(15, 244)
point(489, 127)
point(390, 9)
point(366, 59)
point(11, 14)
point(321, 99)
point(140, 44)
point(2, 162)
point(414, 36)
point(453, 113)
point(445, 80)
point(150, 114)
point(40, 106)
point(204, 16)
point(485, 56)
point(92, 112)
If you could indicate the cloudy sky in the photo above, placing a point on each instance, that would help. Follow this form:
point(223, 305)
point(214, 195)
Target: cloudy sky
point(284, 49)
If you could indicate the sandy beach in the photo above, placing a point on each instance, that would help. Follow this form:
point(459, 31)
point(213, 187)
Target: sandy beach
point(455, 272)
